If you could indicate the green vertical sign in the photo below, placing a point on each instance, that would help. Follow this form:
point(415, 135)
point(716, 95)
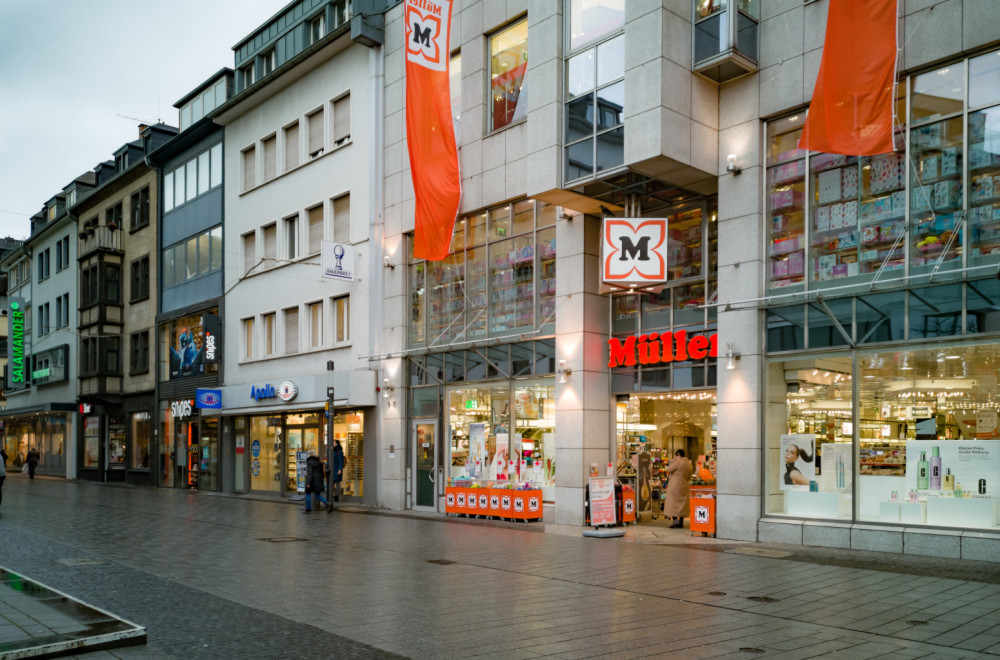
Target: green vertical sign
point(16, 372)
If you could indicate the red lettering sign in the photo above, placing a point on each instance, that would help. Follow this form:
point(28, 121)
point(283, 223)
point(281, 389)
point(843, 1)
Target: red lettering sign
point(657, 348)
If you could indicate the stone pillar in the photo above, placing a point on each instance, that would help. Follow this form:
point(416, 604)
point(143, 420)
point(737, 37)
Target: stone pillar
point(741, 272)
point(583, 402)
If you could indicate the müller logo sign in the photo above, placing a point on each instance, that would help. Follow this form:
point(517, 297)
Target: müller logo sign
point(634, 251)
point(656, 348)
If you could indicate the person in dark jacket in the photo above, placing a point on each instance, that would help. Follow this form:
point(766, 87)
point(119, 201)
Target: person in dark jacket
point(338, 469)
point(315, 482)
point(32, 461)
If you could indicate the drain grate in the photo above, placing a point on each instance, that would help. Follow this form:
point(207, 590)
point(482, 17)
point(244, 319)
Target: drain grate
point(751, 649)
point(763, 599)
point(440, 562)
point(716, 593)
point(759, 552)
point(917, 623)
point(284, 539)
point(80, 562)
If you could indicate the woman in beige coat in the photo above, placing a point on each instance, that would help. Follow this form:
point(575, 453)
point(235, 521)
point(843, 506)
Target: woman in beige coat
point(679, 473)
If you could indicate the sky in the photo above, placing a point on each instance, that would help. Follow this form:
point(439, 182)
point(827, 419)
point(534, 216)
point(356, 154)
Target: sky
point(77, 77)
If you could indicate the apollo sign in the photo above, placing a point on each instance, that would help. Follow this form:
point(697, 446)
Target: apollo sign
point(634, 252)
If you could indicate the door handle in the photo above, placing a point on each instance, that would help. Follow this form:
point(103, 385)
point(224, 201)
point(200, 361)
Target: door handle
point(430, 475)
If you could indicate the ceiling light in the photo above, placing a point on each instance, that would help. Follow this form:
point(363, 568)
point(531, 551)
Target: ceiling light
point(953, 357)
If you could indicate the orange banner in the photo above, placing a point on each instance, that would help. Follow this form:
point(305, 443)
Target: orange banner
point(851, 109)
point(430, 133)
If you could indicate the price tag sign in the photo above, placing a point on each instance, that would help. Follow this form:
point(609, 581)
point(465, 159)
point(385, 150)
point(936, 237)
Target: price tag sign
point(602, 501)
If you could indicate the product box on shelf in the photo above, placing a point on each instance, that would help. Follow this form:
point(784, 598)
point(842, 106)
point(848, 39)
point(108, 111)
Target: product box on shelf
point(824, 266)
point(849, 182)
point(823, 218)
point(869, 255)
point(898, 204)
point(782, 199)
point(922, 198)
point(836, 216)
point(869, 235)
point(851, 214)
point(840, 270)
point(829, 188)
point(785, 245)
point(779, 268)
point(982, 188)
point(886, 172)
point(947, 194)
point(950, 161)
point(927, 136)
point(796, 263)
point(848, 240)
point(930, 168)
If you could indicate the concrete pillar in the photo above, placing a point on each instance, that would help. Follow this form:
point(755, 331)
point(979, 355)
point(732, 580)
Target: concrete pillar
point(583, 402)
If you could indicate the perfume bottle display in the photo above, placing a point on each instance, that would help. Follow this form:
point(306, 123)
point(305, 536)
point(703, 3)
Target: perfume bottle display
point(948, 480)
point(935, 480)
point(923, 476)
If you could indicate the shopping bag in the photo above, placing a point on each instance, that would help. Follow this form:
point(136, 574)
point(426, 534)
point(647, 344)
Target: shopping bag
point(24, 469)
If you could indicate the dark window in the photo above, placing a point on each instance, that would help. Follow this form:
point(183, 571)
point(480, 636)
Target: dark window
point(43, 319)
point(64, 319)
point(113, 216)
point(140, 279)
point(88, 356)
point(113, 281)
point(43, 264)
point(140, 208)
point(112, 352)
point(89, 286)
point(140, 352)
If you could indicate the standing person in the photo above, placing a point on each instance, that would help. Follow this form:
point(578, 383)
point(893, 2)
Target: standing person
point(3, 471)
point(679, 473)
point(315, 483)
point(338, 470)
point(32, 462)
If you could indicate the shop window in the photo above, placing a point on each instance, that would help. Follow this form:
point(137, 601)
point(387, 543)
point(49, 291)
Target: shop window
point(983, 303)
point(417, 371)
point(417, 325)
point(434, 365)
point(454, 367)
point(688, 304)
point(625, 313)
point(786, 328)
point(348, 430)
point(824, 331)
point(545, 356)
point(935, 190)
point(265, 452)
point(475, 366)
point(725, 38)
point(520, 359)
point(140, 432)
point(91, 441)
point(424, 401)
point(809, 430)
point(508, 63)
point(880, 317)
point(936, 311)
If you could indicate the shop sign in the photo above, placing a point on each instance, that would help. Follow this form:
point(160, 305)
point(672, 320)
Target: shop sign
point(85, 408)
point(471, 404)
point(337, 261)
point(206, 398)
point(141, 416)
point(634, 252)
point(287, 390)
point(262, 392)
point(181, 409)
point(658, 348)
point(16, 370)
point(602, 501)
point(212, 327)
point(921, 412)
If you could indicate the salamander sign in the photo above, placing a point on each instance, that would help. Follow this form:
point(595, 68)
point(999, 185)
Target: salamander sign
point(16, 373)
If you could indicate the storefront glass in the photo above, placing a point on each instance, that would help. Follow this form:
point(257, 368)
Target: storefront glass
point(303, 433)
point(47, 433)
point(139, 456)
point(265, 453)
point(650, 428)
point(922, 430)
point(499, 279)
point(168, 459)
point(116, 443)
point(348, 429)
point(91, 441)
point(208, 454)
point(535, 425)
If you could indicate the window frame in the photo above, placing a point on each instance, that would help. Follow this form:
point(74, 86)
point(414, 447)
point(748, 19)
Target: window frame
point(490, 118)
point(139, 279)
point(139, 353)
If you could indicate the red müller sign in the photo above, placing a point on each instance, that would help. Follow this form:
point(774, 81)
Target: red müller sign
point(634, 252)
point(656, 348)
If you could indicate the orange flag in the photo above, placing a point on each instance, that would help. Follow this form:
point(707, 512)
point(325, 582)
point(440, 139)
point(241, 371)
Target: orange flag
point(430, 133)
point(851, 109)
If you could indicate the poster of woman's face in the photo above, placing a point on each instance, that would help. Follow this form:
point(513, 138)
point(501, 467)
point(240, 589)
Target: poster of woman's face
point(798, 456)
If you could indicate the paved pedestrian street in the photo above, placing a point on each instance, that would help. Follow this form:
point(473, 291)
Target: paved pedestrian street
point(213, 576)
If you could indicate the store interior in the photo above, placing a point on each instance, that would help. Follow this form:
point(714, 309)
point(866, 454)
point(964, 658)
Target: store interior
point(925, 437)
point(650, 428)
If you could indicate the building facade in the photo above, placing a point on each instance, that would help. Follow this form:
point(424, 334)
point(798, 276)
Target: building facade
point(301, 136)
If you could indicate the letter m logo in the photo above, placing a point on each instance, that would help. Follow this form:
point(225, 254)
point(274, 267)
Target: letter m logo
point(634, 251)
point(427, 33)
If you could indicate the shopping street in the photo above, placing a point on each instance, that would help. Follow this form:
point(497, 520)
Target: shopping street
point(219, 576)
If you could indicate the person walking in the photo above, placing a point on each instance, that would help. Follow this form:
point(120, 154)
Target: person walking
point(32, 461)
point(315, 482)
point(677, 503)
point(3, 471)
point(338, 469)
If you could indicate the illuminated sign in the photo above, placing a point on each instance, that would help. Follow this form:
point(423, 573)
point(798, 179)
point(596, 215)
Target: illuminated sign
point(17, 374)
point(181, 409)
point(634, 252)
point(659, 348)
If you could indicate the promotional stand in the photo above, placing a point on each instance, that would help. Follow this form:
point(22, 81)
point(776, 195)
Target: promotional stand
point(703, 510)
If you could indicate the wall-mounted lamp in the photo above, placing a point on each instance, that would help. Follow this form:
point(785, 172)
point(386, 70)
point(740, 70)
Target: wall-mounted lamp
point(568, 217)
point(563, 371)
point(731, 165)
point(386, 388)
point(731, 357)
point(387, 264)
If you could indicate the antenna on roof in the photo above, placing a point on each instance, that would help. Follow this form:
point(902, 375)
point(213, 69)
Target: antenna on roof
point(148, 122)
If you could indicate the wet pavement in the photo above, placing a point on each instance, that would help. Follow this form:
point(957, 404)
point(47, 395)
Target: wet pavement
point(212, 576)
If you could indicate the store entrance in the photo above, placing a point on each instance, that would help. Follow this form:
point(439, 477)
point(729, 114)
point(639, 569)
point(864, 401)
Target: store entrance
point(425, 468)
point(650, 429)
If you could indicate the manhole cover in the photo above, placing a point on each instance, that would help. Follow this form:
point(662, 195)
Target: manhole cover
point(716, 593)
point(917, 623)
point(440, 562)
point(762, 599)
point(750, 649)
point(284, 539)
point(760, 552)
point(80, 562)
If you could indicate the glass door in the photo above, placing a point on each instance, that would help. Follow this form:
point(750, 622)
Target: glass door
point(208, 469)
point(425, 468)
point(293, 447)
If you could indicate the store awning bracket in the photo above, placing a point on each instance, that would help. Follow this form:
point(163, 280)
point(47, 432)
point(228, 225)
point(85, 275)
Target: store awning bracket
point(882, 319)
point(989, 301)
point(934, 309)
point(947, 246)
point(427, 372)
point(491, 363)
point(835, 321)
point(888, 257)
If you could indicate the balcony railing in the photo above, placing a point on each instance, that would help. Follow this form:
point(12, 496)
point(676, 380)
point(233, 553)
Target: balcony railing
point(100, 238)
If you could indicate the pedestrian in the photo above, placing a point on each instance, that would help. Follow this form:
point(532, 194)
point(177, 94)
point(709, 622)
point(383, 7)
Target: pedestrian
point(3, 471)
point(32, 462)
point(338, 469)
point(315, 483)
point(677, 503)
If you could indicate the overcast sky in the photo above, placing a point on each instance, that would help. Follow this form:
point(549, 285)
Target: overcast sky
point(70, 68)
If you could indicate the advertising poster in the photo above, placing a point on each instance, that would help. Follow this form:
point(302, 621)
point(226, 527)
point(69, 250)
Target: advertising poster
point(477, 450)
point(501, 459)
point(974, 466)
point(798, 453)
point(642, 482)
point(835, 475)
point(300, 471)
point(186, 342)
point(602, 501)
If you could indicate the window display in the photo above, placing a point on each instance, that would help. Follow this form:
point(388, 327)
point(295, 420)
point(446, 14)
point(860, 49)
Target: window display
point(923, 431)
point(265, 453)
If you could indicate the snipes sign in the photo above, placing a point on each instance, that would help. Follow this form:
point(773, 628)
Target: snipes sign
point(657, 348)
point(634, 252)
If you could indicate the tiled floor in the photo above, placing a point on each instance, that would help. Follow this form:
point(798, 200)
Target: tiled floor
point(204, 575)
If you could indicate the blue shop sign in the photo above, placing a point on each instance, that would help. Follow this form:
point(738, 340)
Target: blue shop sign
point(205, 398)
